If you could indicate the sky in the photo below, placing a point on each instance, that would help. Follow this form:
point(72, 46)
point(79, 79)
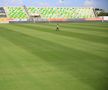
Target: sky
point(103, 4)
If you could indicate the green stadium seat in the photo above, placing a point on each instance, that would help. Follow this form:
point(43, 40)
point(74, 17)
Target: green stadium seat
point(66, 13)
point(16, 12)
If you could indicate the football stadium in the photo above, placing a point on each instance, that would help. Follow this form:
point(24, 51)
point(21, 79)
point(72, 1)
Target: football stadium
point(53, 45)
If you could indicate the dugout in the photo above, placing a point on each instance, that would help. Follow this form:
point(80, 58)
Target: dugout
point(34, 18)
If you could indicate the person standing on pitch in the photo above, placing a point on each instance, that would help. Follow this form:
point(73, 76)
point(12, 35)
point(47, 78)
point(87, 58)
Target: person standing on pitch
point(57, 28)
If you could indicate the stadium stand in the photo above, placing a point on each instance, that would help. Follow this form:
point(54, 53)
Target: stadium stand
point(2, 12)
point(23, 13)
point(32, 10)
point(16, 12)
point(66, 13)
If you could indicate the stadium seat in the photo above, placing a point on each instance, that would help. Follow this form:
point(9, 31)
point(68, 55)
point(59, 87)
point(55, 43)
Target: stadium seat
point(16, 12)
point(46, 13)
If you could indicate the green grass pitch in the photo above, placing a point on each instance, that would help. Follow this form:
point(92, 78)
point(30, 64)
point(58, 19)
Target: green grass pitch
point(36, 57)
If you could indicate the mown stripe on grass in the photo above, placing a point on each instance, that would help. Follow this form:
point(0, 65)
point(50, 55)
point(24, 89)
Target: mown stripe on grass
point(83, 26)
point(26, 69)
point(64, 27)
point(25, 41)
point(85, 36)
point(70, 42)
